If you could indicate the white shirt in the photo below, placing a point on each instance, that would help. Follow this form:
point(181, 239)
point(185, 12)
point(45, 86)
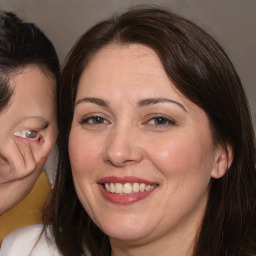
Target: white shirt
point(23, 242)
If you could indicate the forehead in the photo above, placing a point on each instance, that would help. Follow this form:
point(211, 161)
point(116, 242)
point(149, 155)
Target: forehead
point(133, 55)
point(132, 66)
point(31, 81)
point(33, 93)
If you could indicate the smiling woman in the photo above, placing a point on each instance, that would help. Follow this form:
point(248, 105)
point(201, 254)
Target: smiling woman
point(156, 124)
point(169, 158)
point(157, 128)
point(155, 131)
point(29, 70)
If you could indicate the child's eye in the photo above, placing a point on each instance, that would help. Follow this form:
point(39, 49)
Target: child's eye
point(94, 120)
point(161, 121)
point(27, 134)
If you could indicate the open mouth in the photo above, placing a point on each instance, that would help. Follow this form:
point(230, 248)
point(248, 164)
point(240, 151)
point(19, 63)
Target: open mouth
point(127, 188)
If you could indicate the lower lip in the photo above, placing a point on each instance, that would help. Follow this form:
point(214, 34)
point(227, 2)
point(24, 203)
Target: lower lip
point(125, 198)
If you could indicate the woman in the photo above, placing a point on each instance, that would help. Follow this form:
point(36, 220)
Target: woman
point(156, 124)
point(29, 70)
point(155, 130)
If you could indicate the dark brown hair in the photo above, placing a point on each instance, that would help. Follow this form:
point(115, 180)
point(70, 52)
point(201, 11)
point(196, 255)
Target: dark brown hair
point(200, 70)
point(22, 44)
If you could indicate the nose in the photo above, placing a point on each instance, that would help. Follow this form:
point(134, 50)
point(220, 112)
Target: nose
point(123, 147)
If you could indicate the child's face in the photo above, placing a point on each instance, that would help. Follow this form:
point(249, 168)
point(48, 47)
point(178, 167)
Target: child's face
point(28, 132)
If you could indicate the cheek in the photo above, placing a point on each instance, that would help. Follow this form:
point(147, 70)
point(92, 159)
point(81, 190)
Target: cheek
point(181, 156)
point(83, 153)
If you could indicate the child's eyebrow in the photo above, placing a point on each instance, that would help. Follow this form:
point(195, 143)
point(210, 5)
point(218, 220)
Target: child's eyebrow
point(40, 119)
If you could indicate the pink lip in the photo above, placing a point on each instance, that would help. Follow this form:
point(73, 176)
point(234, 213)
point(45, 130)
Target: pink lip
point(124, 198)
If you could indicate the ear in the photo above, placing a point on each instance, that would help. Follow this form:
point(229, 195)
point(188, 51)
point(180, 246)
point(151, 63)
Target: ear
point(223, 160)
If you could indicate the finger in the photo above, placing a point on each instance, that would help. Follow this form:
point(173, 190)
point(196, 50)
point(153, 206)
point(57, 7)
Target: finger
point(18, 161)
point(27, 156)
point(5, 170)
point(34, 155)
point(10, 156)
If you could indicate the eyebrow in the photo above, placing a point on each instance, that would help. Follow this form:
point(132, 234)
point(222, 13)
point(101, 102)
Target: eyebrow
point(141, 103)
point(41, 119)
point(152, 101)
point(96, 101)
point(36, 117)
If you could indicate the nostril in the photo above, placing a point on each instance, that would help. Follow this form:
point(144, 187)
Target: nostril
point(121, 149)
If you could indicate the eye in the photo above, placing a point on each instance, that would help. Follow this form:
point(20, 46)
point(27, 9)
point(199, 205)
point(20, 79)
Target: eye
point(27, 134)
point(161, 121)
point(94, 120)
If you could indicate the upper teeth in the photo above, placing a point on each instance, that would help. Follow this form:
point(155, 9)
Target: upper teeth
point(127, 188)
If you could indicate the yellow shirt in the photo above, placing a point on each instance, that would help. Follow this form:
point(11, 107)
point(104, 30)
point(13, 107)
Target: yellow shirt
point(29, 210)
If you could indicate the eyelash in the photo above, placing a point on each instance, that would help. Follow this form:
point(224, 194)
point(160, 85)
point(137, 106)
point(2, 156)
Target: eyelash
point(25, 134)
point(94, 120)
point(159, 121)
point(29, 134)
point(163, 121)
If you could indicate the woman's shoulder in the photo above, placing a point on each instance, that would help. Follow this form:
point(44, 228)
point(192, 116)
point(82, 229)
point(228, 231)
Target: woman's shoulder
point(29, 241)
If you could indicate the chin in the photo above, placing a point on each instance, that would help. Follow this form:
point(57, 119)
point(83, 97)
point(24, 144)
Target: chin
point(128, 232)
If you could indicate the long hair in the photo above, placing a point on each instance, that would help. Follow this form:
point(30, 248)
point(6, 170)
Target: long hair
point(201, 71)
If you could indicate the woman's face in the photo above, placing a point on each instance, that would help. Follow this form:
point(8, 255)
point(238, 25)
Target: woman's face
point(28, 132)
point(142, 154)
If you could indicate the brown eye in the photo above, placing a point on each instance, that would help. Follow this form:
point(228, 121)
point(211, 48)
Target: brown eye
point(161, 121)
point(94, 120)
